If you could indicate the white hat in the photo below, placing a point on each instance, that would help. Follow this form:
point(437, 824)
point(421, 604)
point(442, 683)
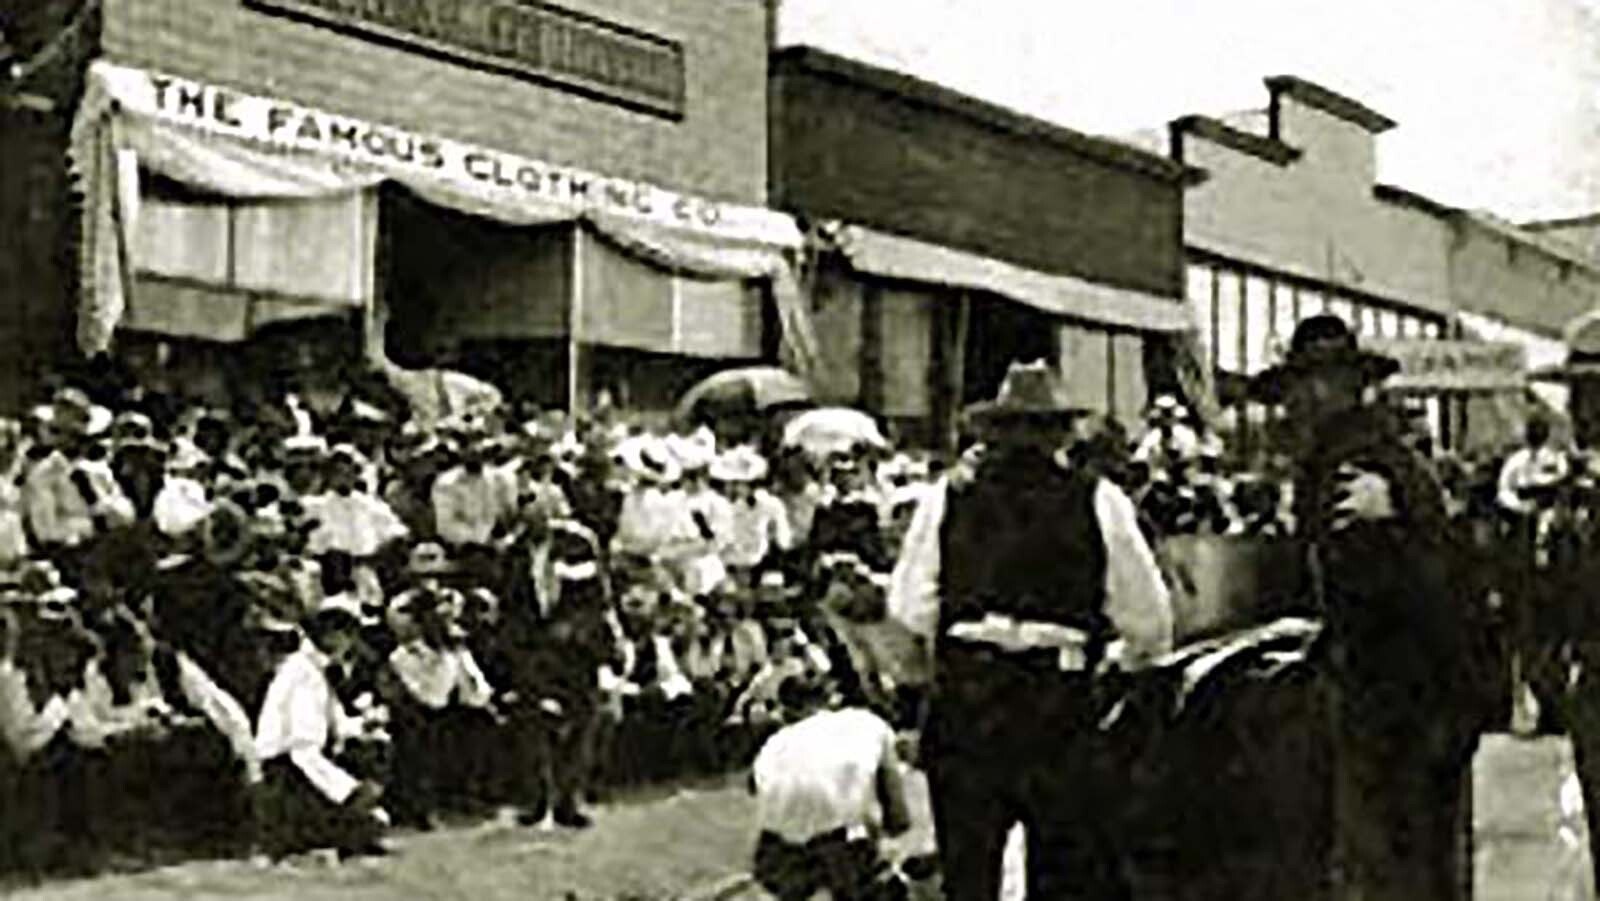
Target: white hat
point(306, 444)
point(696, 451)
point(1166, 404)
point(648, 458)
point(741, 464)
point(343, 603)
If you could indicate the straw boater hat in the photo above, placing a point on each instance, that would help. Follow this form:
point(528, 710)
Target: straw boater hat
point(648, 458)
point(1030, 393)
point(695, 452)
point(1320, 343)
point(72, 410)
point(340, 610)
point(741, 464)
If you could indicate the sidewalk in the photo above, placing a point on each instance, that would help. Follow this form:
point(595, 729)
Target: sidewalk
point(1517, 817)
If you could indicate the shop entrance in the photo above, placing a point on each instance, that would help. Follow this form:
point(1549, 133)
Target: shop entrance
point(1001, 332)
point(474, 295)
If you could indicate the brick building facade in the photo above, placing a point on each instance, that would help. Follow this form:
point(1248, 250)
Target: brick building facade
point(970, 236)
point(488, 185)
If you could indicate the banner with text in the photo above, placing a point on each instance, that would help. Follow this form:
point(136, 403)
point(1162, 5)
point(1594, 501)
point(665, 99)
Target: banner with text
point(354, 148)
point(1432, 366)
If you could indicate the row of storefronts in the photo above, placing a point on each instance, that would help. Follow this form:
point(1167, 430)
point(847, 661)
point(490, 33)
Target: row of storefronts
point(1291, 220)
point(620, 196)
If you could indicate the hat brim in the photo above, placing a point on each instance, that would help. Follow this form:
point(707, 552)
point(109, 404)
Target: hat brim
point(1267, 385)
point(994, 413)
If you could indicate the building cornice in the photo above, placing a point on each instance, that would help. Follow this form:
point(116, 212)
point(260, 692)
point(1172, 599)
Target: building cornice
point(1219, 132)
point(1330, 102)
point(990, 115)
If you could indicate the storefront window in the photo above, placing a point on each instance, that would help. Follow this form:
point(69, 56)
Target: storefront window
point(313, 250)
point(1311, 303)
point(1202, 282)
point(1284, 317)
point(1388, 324)
point(1258, 322)
point(1229, 320)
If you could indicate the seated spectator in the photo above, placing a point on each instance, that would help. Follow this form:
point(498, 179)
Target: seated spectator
point(436, 687)
point(828, 788)
point(309, 800)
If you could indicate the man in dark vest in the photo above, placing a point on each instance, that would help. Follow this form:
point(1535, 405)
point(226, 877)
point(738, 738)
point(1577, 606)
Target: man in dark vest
point(1032, 580)
point(1407, 693)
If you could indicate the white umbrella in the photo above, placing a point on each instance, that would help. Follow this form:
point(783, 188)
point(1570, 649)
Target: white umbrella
point(832, 430)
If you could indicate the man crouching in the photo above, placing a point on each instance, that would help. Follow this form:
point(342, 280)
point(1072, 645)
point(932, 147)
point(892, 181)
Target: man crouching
point(828, 788)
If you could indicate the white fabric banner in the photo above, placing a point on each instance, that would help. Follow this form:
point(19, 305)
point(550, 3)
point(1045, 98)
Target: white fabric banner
point(254, 147)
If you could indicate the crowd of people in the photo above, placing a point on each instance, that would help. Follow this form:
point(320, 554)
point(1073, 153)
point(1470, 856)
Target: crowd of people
point(324, 626)
point(276, 629)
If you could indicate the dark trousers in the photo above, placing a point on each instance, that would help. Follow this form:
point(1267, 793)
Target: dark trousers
point(556, 758)
point(292, 817)
point(1400, 810)
point(1009, 739)
point(847, 870)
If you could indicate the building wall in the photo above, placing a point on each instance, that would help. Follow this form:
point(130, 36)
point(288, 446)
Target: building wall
point(851, 150)
point(1317, 217)
point(1495, 275)
point(718, 149)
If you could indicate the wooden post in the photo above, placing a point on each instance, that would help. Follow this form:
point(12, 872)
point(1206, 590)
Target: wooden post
point(958, 322)
point(376, 259)
point(580, 239)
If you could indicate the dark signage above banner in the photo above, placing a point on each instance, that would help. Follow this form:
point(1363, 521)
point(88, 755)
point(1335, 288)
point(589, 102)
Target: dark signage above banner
point(522, 37)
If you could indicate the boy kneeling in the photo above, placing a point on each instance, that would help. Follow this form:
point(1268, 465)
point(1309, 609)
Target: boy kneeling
point(827, 788)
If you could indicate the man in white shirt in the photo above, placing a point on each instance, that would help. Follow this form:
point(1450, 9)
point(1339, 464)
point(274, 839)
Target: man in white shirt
point(440, 695)
point(310, 800)
point(348, 518)
point(760, 522)
point(1534, 468)
point(827, 789)
point(472, 500)
point(67, 500)
point(1030, 580)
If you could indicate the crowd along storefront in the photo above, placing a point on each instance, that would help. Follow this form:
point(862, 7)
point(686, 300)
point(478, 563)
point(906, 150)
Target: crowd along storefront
point(218, 214)
point(951, 237)
point(566, 198)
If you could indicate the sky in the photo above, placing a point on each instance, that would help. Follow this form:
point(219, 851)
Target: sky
point(1498, 101)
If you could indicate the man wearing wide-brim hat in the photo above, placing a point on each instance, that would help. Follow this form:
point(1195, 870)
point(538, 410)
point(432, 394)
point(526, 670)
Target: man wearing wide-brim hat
point(1030, 580)
point(1408, 691)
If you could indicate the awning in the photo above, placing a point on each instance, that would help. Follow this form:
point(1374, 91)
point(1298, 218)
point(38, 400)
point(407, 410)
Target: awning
point(891, 256)
point(254, 147)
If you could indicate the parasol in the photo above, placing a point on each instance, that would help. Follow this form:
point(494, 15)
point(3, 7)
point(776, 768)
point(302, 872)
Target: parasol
point(745, 391)
point(832, 430)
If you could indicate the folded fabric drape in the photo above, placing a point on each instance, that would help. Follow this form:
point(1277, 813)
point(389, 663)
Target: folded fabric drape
point(122, 128)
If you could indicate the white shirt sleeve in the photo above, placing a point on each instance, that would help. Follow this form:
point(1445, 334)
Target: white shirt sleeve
point(453, 523)
point(222, 710)
point(474, 689)
point(1137, 600)
point(1511, 478)
point(298, 717)
point(914, 587)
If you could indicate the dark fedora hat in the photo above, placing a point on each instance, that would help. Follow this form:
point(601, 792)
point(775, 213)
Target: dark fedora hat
point(1320, 343)
point(1029, 392)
